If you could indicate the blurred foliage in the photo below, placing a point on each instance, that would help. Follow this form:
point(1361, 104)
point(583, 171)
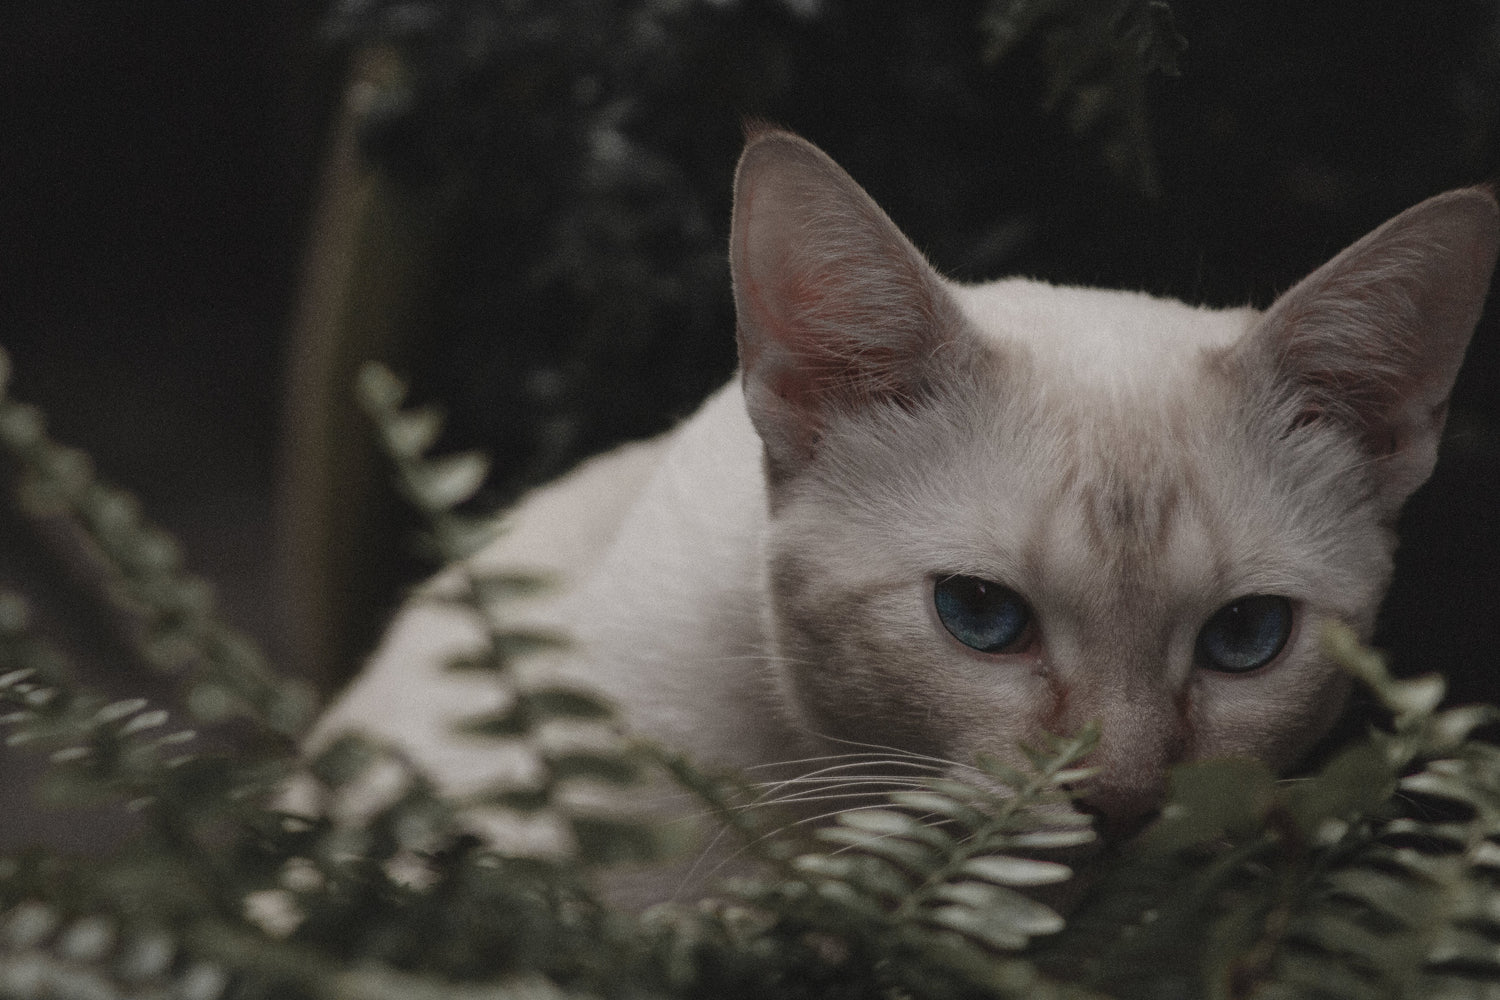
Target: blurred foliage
point(591, 144)
point(1376, 876)
point(1098, 59)
point(1215, 152)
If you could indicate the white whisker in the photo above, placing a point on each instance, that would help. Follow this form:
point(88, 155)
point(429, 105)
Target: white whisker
point(870, 757)
point(835, 791)
point(937, 762)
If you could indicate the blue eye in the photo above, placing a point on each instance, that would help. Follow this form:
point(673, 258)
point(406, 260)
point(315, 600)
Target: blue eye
point(1245, 634)
point(981, 614)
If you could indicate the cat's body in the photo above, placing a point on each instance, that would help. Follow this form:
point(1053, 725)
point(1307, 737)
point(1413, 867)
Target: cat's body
point(946, 519)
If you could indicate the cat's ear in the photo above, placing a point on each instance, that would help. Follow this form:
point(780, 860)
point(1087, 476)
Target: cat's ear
point(1373, 340)
point(836, 309)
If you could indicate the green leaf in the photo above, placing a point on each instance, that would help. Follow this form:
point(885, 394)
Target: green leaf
point(1449, 837)
point(567, 703)
point(1416, 697)
point(985, 927)
point(1440, 785)
point(1005, 774)
point(1016, 871)
point(1452, 727)
point(13, 678)
point(1342, 644)
point(440, 484)
point(886, 822)
point(1465, 945)
point(852, 901)
point(460, 536)
point(517, 644)
point(512, 721)
point(1049, 839)
point(151, 551)
point(1313, 975)
point(1000, 917)
point(496, 588)
point(606, 840)
point(1348, 938)
point(15, 613)
point(933, 803)
point(409, 433)
point(115, 711)
point(1209, 799)
point(522, 800)
point(143, 721)
point(1486, 854)
point(908, 854)
point(1402, 899)
point(504, 648)
point(111, 512)
point(612, 768)
point(21, 425)
point(1357, 780)
point(871, 874)
point(344, 760)
point(379, 391)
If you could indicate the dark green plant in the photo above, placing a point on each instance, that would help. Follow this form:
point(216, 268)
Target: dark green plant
point(584, 152)
point(1099, 58)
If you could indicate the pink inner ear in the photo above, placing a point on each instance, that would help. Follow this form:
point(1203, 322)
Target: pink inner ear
point(828, 326)
point(835, 308)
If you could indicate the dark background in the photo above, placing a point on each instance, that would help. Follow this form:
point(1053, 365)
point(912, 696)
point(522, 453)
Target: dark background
point(157, 165)
point(161, 162)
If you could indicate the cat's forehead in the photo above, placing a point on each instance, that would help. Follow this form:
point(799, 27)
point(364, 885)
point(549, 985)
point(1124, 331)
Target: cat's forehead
point(1113, 340)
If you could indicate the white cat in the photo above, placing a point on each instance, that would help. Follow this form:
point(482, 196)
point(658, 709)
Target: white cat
point(946, 518)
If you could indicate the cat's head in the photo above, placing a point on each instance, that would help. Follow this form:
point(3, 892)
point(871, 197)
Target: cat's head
point(1011, 508)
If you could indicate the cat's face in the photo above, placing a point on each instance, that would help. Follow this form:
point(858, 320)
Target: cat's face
point(1014, 508)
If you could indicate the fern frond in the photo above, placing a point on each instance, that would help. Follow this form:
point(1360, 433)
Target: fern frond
point(923, 896)
point(171, 612)
point(579, 780)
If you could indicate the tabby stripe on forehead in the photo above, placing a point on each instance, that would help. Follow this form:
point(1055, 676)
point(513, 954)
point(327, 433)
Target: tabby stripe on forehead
point(1130, 522)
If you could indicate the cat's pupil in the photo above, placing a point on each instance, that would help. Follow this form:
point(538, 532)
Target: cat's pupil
point(981, 614)
point(1245, 634)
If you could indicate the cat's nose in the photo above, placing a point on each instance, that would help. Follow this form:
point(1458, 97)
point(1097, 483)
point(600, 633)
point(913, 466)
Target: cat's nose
point(1120, 813)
